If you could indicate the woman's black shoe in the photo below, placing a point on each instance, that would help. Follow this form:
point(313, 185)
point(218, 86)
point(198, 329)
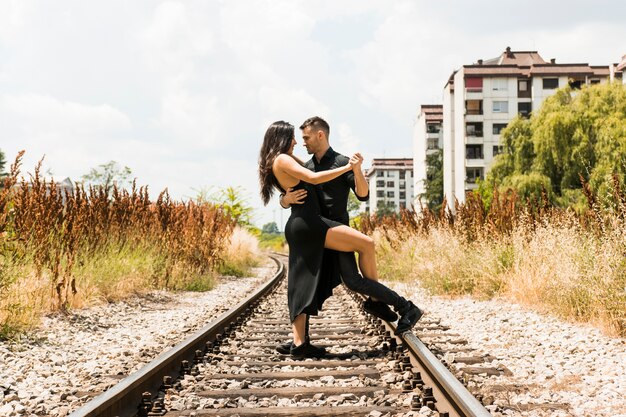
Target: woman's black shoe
point(379, 309)
point(408, 319)
point(307, 350)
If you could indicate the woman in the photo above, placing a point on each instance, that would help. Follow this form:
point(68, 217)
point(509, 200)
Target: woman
point(308, 233)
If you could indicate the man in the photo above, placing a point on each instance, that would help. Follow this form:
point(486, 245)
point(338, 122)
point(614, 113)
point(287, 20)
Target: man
point(333, 198)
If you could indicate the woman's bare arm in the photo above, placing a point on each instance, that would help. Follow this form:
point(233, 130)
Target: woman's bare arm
point(288, 165)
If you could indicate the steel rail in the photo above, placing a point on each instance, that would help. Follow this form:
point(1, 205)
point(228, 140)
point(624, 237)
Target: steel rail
point(457, 395)
point(124, 398)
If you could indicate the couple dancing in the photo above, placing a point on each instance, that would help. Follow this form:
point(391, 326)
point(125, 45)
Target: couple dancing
point(321, 244)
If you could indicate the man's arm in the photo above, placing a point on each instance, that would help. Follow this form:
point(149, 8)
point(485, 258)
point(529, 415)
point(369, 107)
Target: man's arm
point(361, 188)
point(292, 197)
point(358, 183)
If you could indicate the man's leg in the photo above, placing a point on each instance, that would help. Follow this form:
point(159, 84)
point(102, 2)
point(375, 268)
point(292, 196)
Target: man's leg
point(409, 313)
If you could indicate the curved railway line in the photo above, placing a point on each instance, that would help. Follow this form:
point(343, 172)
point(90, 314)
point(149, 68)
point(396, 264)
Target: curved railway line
point(230, 367)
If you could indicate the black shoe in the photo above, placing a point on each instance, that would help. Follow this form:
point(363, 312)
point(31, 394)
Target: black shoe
point(379, 309)
point(285, 348)
point(307, 350)
point(408, 319)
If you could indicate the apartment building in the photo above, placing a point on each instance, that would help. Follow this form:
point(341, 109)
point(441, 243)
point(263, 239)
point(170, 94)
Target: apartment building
point(480, 99)
point(390, 183)
point(427, 139)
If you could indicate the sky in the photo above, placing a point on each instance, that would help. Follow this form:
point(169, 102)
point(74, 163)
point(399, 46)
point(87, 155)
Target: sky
point(183, 91)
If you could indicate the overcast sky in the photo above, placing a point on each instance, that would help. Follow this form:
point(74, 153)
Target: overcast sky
point(182, 91)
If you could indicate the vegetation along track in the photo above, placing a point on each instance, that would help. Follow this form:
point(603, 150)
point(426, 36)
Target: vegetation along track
point(230, 367)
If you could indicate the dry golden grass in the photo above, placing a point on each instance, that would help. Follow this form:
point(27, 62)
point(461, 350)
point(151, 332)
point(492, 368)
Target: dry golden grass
point(61, 250)
point(241, 253)
point(572, 265)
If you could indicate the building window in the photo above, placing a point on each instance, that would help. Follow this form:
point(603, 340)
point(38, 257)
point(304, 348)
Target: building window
point(474, 151)
point(594, 81)
point(390, 174)
point(522, 85)
point(402, 174)
point(380, 183)
point(575, 84)
point(380, 193)
point(402, 185)
point(380, 203)
point(433, 127)
point(523, 88)
point(499, 84)
point(402, 205)
point(474, 129)
point(472, 174)
point(550, 83)
point(474, 85)
point(474, 106)
point(390, 194)
point(524, 109)
point(391, 184)
point(500, 106)
point(402, 195)
point(497, 150)
point(497, 128)
point(433, 143)
point(380, 174)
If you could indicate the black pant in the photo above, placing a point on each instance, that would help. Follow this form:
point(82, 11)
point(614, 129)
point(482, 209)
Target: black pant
point(356, 282)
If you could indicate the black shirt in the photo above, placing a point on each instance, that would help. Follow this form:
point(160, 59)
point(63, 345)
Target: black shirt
point(333, 195)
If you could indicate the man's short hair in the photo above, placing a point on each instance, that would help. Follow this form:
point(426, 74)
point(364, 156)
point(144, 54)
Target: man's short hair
point(316, 123)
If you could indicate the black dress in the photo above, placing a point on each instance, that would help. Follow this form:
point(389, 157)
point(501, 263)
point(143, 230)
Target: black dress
point(306, 233)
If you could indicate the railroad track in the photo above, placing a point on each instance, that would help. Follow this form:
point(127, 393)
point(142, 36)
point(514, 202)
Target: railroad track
point(230, 367)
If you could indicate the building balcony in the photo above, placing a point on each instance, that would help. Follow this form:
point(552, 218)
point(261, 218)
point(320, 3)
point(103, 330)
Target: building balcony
point(475, 162)
point(474, 140)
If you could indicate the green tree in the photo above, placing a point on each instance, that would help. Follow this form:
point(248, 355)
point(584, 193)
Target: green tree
point(575, 133)
point(3, 163)
point(433, 184)
point(354, 205)
point(232, 200)
point(387, 208)
point(270, 228)
point(109, 174)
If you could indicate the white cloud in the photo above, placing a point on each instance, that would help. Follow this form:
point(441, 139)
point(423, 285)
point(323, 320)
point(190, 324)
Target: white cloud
point(174, 40)
point(12, 17)
point(348, 142)
point(191, 118)
point(37, 115)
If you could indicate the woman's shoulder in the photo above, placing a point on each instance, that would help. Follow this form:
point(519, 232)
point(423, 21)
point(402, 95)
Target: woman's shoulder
point(282, 159)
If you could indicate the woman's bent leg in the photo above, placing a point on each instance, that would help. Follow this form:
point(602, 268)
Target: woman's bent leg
point(347, 239)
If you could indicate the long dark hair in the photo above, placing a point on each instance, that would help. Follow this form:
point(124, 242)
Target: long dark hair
point(277, 140)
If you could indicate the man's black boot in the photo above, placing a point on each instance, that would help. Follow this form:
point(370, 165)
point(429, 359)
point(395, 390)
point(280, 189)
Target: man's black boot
point(379, 309)
point(409, 315)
